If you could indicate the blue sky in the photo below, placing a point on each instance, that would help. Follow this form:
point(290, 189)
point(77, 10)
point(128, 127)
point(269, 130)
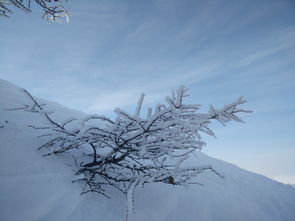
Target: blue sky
point(111, 51)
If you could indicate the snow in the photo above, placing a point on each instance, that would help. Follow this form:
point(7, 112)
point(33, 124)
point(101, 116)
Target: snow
point(33, 187)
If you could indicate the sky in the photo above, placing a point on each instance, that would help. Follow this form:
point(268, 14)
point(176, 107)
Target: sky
point(113, 50)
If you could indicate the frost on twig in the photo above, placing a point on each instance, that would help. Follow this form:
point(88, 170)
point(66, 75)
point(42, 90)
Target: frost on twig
point(131, 150)
point(53, 10)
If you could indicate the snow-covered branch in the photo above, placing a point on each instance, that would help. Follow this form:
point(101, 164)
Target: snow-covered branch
point(133, 150)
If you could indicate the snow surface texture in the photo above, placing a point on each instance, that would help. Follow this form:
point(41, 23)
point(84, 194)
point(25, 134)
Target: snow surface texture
point(40, 188)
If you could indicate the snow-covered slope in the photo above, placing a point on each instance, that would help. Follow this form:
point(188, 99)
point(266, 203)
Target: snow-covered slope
point(39, 188)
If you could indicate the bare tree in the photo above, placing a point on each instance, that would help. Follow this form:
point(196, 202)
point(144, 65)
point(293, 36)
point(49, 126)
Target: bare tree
point(53, 9)
point(133, 150)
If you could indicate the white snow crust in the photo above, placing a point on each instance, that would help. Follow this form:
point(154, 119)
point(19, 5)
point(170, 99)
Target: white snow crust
point(39, 188)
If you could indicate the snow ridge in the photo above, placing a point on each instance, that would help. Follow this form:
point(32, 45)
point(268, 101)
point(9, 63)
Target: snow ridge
point(33, 187)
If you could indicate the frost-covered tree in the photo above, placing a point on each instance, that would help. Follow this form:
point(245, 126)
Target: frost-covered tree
point(53, 9)
point(135, 149)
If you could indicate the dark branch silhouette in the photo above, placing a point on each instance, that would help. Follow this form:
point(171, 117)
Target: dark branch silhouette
point(132, 150)
point(52, 9)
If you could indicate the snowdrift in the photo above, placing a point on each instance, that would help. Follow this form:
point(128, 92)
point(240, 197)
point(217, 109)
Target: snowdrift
point(33, 187)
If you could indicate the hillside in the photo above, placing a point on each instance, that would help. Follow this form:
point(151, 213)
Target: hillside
point(33, 187)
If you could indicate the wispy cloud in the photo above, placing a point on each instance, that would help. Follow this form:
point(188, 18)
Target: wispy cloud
point(281, 41)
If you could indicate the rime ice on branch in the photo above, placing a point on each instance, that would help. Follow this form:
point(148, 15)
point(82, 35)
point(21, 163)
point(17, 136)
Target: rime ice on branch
point(52, 9)
point(133, 150)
